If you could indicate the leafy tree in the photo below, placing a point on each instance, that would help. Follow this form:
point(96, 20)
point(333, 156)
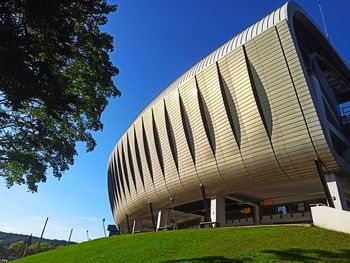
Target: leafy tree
point(45, 246)
point(16, 249)
point(55, 81)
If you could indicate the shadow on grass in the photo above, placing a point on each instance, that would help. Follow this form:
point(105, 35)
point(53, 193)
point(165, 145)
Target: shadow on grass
point(310, 255)
point(212, 259)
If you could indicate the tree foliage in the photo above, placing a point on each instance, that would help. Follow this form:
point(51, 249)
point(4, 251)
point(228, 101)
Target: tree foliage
point(16, 249)
point(44, 246)
point(55, 81)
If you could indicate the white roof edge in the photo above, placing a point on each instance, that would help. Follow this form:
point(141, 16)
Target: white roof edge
point(284, 13)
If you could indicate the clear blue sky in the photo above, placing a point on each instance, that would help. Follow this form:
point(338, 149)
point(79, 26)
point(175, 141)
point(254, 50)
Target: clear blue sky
point(155, 41)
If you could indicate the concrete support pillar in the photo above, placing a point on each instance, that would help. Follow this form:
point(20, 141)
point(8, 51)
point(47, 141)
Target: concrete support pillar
point(256, 215)
point(127, 224)
point(336, 190)
point(163, 219)
point(205, 205)
point(217, 210)
point(136, 226)
point(150, 207)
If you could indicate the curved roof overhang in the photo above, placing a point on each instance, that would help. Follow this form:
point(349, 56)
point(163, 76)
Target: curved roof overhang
point(286, 12)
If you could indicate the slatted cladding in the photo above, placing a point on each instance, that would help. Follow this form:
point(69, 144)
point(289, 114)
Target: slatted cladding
point(171, 139)
point(159, 182)
point(120, 173)
point(122, 205)
point(130, 162)
point(136, 150)
point(123, 178)
point(171, 175)
point(204, 157)
point(302, 89)
point(229, 105)
point(111, 188)
point(205, 115)
point(127, 173)
point(142, 199)
point(291, 141)
point(149, 187)
point(115, 179)
point(256, 149)
point(236, 83)
point(115, 192)
point(187, 170)
point(209, 85)
point(207, 94)
point(125, 169)
point(159, 134)
point(229, 158)
point(272, 71)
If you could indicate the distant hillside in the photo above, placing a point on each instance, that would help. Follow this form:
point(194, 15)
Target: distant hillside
point(10, 238)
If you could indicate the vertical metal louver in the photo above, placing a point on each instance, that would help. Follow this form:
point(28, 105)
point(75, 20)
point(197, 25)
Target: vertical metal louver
point(131, 164)
point(120, 173)
point(260, 96)
point(171, 137)
point(111, 189)
point(138, 158)
point(229, 107)
point(115, 177)
point(187, 129)
point(208, 126)
point(147, 152)
point(157, 143)
point(116, 186)
point(125, 168)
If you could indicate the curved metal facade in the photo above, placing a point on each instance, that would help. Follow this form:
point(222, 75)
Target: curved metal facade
point(249, 119)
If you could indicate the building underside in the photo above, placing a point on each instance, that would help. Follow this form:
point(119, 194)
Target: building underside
point(248, 135)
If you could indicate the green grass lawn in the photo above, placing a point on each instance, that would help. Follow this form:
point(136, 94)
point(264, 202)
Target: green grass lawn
point(261, 244)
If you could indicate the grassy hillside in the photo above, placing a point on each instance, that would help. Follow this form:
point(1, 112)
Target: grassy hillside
point(262, 244)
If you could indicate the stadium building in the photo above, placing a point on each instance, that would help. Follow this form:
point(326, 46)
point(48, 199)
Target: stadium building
point(252, 134)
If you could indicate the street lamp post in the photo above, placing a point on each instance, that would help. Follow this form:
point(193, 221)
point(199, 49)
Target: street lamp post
point(103, 224)
point(41, 237)
point(70, 235)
